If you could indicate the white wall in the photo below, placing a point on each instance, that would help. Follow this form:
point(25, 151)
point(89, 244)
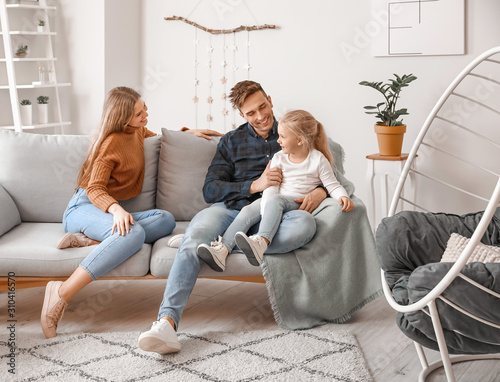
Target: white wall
point(99, 48)
point(303, 64)
point(80, 49)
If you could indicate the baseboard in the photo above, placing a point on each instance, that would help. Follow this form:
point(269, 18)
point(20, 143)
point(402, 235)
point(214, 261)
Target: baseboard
point(22, 282)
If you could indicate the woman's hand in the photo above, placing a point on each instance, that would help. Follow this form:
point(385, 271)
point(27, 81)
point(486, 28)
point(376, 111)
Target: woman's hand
point(121, 219)
point(202, 133)
point(346, 203)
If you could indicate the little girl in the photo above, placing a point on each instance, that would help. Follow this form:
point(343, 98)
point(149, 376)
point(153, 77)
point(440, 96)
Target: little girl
point(306, 163)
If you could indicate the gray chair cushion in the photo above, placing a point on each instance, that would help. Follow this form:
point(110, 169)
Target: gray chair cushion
point(30, 250)
point(410, 245)
point(183, 165)
point(9, 213)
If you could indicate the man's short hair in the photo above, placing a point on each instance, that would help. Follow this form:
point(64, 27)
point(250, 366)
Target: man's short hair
point(242, 90)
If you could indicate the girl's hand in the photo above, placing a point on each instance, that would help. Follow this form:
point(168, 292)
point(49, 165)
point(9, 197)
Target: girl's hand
point(121, 219)
point(346, 203)
point(270, 177)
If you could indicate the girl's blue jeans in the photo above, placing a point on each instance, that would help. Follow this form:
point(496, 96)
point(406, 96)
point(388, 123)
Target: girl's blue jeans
point(250, 215)
point(82, 216)
point(296, 229)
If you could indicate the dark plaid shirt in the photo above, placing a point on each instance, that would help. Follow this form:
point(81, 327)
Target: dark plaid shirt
point(241, 157)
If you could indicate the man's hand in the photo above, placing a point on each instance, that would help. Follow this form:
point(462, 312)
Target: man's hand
point(202, 133)
point(270, 177)
point(312, 200)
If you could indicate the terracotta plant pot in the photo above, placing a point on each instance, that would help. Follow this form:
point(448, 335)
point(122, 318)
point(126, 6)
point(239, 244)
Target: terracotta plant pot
point(390, 139)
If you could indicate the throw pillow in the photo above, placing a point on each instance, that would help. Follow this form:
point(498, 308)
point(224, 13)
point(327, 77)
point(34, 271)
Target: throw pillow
point(40, 170)
point(183, 165)
point(482, 253)
point(147, 198)
point(10, 213)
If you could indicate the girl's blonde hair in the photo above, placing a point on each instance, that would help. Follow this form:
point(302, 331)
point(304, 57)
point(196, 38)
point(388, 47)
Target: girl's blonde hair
point(117, 111)
point(302, 123)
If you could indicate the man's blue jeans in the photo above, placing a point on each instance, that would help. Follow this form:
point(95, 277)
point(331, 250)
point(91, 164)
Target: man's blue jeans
point(82, 216)
point(297, 228)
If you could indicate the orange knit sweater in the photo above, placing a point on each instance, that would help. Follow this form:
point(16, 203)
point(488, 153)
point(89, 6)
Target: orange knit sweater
point(118, 171)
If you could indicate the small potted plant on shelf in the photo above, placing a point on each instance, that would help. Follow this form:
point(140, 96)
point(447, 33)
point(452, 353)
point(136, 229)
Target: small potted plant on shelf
point(41, 25)
point(22, 51)
point(26, 112)
point(43, 109)
point(389, 126)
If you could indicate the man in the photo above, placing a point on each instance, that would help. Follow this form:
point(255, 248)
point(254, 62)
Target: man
point(238, 174)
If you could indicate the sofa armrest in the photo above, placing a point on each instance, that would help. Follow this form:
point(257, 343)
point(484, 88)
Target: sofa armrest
point(10, 216)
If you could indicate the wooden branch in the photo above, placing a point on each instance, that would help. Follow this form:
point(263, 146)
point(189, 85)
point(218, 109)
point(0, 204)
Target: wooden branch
point(222, 31)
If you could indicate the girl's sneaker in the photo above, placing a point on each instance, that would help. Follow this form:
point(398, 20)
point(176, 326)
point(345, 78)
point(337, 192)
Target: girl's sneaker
point(214, 255)
point(253, 247)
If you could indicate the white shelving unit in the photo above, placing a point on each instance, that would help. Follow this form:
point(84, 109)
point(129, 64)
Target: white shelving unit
point(12, 12)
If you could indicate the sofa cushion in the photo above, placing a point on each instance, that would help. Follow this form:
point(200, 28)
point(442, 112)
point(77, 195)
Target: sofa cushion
point(162, 258)
point(30, 250)
point(183, 165)
point(146, 200)
point(10, 214)
point(39, 171)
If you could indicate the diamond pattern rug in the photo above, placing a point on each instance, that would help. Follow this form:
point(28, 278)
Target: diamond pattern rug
point(262, 355)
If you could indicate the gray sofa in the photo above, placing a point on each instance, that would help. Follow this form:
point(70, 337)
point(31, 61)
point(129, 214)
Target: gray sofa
point(38, 177)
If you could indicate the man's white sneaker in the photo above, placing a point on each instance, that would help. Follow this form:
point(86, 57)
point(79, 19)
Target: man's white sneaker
point(161, 339)
point(253, 247)
point(214, 255)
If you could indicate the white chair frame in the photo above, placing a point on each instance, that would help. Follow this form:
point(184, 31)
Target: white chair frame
point(429, 300)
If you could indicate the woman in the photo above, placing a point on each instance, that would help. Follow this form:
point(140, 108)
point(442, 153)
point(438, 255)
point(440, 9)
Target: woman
point(113, 171)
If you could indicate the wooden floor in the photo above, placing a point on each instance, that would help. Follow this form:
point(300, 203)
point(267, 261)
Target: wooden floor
point(115, 306)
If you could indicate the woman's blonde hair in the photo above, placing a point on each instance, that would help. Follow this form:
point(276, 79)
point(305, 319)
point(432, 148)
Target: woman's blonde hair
point(302, 123)
point(117, 111)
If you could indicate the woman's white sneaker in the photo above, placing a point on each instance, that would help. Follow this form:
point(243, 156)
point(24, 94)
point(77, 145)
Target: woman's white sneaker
point(253, 247)
point(161, 338)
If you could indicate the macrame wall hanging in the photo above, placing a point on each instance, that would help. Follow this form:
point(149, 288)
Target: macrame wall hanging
point(221, 59)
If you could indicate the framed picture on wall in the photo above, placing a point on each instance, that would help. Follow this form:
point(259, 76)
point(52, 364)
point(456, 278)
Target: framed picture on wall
point(419, 27)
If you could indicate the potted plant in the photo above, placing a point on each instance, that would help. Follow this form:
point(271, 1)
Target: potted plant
point(41, 25)
point(43, 109)
point(389, 126)
point(22, 51)
point(26, 112)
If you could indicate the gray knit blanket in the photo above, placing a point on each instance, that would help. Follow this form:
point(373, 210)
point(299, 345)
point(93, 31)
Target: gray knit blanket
point(330, 278)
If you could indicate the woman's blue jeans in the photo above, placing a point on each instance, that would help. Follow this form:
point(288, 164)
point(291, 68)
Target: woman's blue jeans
point(82, 216)
point(296, 229)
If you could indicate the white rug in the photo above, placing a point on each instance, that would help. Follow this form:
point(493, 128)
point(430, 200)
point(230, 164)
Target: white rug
point(278, 355)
